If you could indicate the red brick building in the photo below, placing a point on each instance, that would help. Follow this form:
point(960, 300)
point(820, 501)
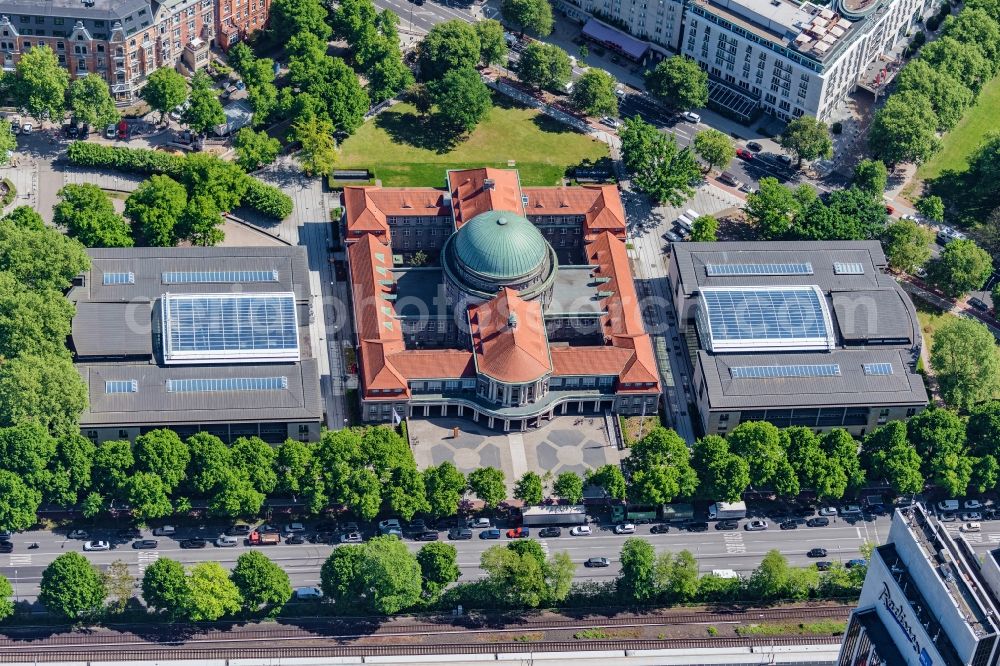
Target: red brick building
point(235, 20)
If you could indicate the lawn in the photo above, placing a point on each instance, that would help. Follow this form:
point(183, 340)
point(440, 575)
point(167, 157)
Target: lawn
point(404, 150)
point(930, 319)
point(959, 143)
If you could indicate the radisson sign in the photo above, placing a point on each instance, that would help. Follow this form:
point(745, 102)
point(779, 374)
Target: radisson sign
point(898, 613)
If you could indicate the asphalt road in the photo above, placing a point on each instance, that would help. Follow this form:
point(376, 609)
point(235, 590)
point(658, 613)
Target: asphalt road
point(738, 550)
point(421, 18)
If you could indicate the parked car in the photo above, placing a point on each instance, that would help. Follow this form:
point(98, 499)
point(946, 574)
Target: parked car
point(417, 525)
point(549, 532)
point(626, 528)
point(581, 530)
point(816, 552)
point(239, 529)
point(6, 546)
point(948, 517)
point(459, 533)
point(727, 525)
point(613, 123)
point(293, 528)
point(828, 511)
point(166, 530)
point(81, 534)
point(818, 522)
point(659, 529)
point(823, 566)
point(785, 159)
point(697, 526)
point(145, 544)
point(978, 304)
point(971, 527)
point(351, 537)
point(26, 128)
point(110, 131)
point(427, 535)
point(971, 515)
point(691, 117)
point(492, 533)
point(226, 541)
point(851, 510)
point(479, 523)
point(754, 146)
point(744, 154)
point(972, 504)
point(96, 545)
point(856, 562)
point(788, 525)
point(195, 542)
point(518, 533)
point(295, 540)
point(756, 526)
point(303, 593)
point(672, 237)
point(597, 562)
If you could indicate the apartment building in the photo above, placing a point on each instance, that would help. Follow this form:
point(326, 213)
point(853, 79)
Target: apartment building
point(122, 41)
point(236, 20)
point(784, 57)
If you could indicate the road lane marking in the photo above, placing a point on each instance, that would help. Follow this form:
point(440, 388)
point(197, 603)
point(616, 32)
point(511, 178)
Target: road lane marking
point(734, 543)
point(20, 560)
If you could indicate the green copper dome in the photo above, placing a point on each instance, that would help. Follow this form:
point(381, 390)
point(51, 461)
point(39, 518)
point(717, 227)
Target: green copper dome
point(500, 244)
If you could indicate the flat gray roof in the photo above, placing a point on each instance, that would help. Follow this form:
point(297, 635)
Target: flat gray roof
point(883, 316)
point(574, 292)
point(852, 386)
point(101, 9)
point(420, 293)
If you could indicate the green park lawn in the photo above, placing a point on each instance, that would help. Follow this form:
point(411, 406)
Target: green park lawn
point(404, 150)
point(959, 143)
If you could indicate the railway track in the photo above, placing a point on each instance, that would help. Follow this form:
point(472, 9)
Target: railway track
point(286, 651)
point(145, 637)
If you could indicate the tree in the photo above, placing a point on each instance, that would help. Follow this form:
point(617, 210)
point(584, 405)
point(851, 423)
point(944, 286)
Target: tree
point(91, 101)
point(163, 453)
point(569, 486)
point(291, 17)
point(931, 207)
point(255, 149)
point(346, 101)
point(235, 496)
point(948, 97)
point(18, 502)
point(40, 83)
point(155, 207)
point(962, 267)
point(449, 46)
point(976, 26)
point(637, 578)
point(438, 567)
point(808, 138)
point(210, 462)
point(814, 468)
point(8, 144)
point(898, 463)
point(255, 458)
point(657, 165)
point(904, 129)
point(679, 83)
point(533, 16)
point(318, 154)
point(262, 584)
point(23, 217)
point(545, 66)
point(660, 468)
point(164, 587)
point(71, 468)
point(488, 485)
point(119, 584)
point(610, 479)
point(166, 89)
point(704, 229)
point(842, 448)
point(341, 574)
point(595, 94)
point(32, 322)
point(492, 44)
point(387, 74)
point(41, 258)
point(907, 245)
point(204, 112)
point(520, 575)
point(938, 435)
point(353, 21)
point(845, 215)
point(771, 208)
point(72, 587)
point(391, 575)
point(444, 486)
point(529, 488)
point(715, 148)
point(770, 579)
point(113, 462)
point(147, 495)
point(966, 363)
point(677, 576)
point(46, 389)
point(462, 99)
point(871, 177)
point(6, 605)
point(406, 492)
point(89, 216)
point(211, 594)
point(964, 62)
point(92, 505)
point(759, 443)
point(205, 174)
point(722, 475)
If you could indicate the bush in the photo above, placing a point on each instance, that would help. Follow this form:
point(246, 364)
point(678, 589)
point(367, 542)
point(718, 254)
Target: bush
point(9, 195)
point(918, 40)
point(933, 22)
point(264, 198)
point(837, 127)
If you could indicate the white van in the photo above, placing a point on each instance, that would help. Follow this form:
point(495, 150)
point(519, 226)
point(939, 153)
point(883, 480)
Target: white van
point(948, 505)
point(166, 530)
point(225, 541)
point(685, 222)
point(692, 214)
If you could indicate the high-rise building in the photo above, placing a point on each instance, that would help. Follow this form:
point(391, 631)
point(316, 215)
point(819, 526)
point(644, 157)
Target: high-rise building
point(927, 600)
point(122, 41)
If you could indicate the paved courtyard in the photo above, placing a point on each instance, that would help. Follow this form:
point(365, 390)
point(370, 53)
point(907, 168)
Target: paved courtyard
point(566, 444)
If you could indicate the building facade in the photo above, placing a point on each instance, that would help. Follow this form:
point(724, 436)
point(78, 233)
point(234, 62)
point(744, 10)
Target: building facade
point(197, 340)
point(124, 41)
point(783, 57)
point(928, 599)
point(522, 307)
point(802, 333)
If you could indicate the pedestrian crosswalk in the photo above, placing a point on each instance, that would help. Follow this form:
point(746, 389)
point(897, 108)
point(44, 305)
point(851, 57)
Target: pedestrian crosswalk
point(734, 543)
point(147, 557)
point(20, 560)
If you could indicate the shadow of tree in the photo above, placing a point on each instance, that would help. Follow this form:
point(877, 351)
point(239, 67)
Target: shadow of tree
point(551, 125)
point(426, 132)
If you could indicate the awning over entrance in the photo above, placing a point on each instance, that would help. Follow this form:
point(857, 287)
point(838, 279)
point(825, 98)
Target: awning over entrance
point(615, 40)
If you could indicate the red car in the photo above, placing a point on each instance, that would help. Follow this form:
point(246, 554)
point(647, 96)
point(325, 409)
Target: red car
point(889, 209)
point(123, 130)
point(744, 154)
point(517, 533)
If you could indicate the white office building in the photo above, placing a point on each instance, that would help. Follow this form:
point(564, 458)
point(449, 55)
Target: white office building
point(927, 600)
point(784, 57)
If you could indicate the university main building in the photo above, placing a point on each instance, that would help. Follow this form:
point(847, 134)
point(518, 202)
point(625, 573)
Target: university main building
point(502, 303)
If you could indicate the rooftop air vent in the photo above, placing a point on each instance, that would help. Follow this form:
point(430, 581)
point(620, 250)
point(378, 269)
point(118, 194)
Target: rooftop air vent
point(489, 184)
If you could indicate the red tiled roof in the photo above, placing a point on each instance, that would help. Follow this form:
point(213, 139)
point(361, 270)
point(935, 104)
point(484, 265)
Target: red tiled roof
point(600, 205)
point(434, 364)
point(589, 360)
point(470, 195)
point(368, 208)
point(508, 338)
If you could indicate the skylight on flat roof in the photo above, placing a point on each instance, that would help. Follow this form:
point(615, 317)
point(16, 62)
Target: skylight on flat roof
point(770, 371)
point(119, 278)
point(218, 277)
point(841, 268)
point(877, 368)
point(727, 270)
point(738, 319)
point(233, 328)
point(121, 386)
point(227, 384)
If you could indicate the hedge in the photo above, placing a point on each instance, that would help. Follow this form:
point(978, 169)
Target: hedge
point(10, 195)
point(264, 198)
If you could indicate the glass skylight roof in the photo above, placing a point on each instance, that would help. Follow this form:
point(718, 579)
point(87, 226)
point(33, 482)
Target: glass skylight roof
point(764, 318)
point(234, 328)
point(121, 386)
point(216, 277)
point(119, 278)
point(842, 268)
point(723, 270)
point(226, 384)
point(768, 371)
point(877, 368)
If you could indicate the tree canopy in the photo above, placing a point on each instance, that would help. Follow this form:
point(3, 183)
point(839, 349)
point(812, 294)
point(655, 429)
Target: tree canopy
point(679, 83)
point(91, 102)
point(904, 129)
point(545, 66)
point(807, 138)
point(966, 362)
point(907, 245)
point(533, 16)
point(40, 83)
point(461, 98)
point(165, 89)
point(89, 216)
point(960, 268)
point(658, 167)
point(594, 93)
point(72, 587)
point(716, 148)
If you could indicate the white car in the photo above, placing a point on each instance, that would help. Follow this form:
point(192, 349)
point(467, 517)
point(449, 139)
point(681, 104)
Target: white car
point(111, 131)
point(293, 528)
point(26, 128)
point(480, 523)
point(972, 516)
point(971, 527)
point(691, 117)
point(225, 541)
point(828, 511)
point(613, 123)
point(756, 526)
point(581, 530)
point(627, 528)
point(351, 537)
point(96, 545)
point(972, 504)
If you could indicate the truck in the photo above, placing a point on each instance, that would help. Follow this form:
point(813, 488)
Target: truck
point(633, 513)
point(554, 514)
point(677, 512)
point(727, 510)
point(269, 539)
